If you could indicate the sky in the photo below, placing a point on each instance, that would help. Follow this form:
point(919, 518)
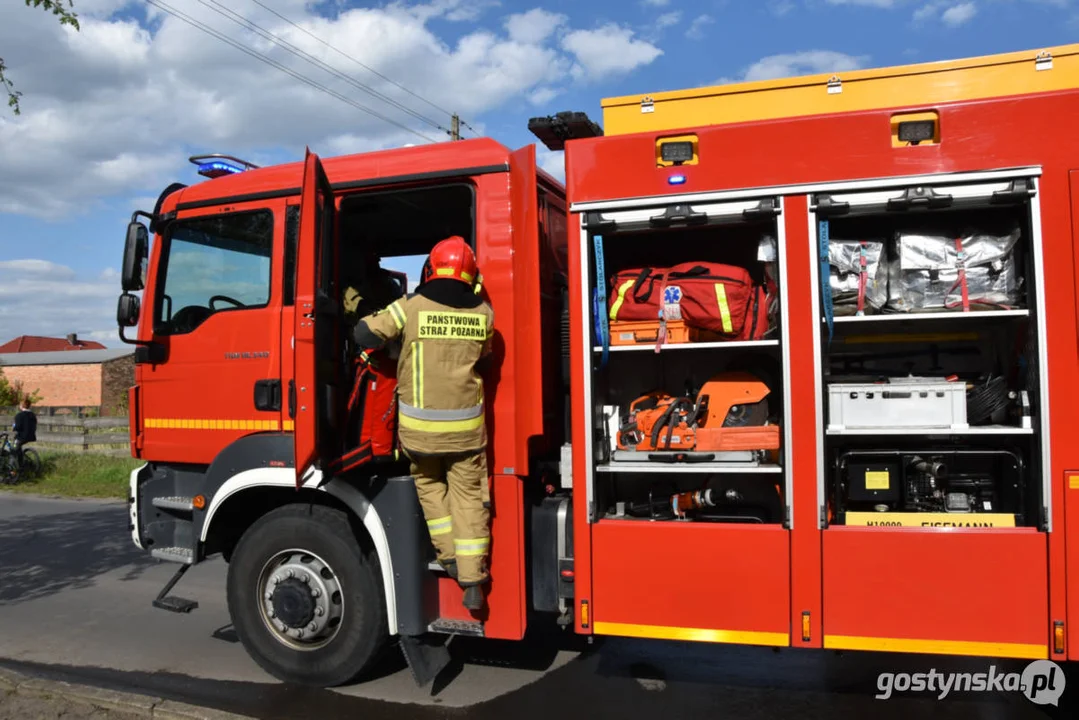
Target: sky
point(111, 113)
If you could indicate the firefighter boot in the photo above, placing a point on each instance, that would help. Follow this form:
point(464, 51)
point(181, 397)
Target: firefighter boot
point(431, 489)
point(473, 598)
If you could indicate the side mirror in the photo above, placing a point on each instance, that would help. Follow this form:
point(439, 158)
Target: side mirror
point(136, 249)
point(127, 310)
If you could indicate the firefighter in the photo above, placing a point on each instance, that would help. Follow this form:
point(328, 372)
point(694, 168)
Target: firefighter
point(373, 289)
point(445, 329)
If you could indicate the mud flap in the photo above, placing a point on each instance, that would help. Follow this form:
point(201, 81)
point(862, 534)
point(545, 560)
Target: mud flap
point(426, 655)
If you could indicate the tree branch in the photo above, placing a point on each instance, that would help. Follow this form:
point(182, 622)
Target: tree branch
point(67, 17)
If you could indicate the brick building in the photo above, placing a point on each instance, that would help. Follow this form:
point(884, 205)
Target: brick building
point(84, 379)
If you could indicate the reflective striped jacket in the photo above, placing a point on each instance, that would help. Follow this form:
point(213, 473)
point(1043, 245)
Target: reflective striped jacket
point(439, 391)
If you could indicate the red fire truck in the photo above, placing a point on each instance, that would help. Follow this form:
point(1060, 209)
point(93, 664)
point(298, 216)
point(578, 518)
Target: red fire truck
point(774, 369)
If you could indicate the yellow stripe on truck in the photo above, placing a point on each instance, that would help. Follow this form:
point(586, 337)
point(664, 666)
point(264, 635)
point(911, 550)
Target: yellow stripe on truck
point(215, 424)
point(937, 647)
point(660, 632)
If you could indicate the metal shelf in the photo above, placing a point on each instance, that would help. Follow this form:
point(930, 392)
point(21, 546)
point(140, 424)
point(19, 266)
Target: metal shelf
point(711, 467)
point(973, 430)
point(650, 347)
point(899, 317)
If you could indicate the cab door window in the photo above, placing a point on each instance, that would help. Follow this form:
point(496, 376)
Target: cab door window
point(214, 264)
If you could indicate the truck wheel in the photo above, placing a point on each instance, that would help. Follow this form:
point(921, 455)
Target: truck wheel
point(305, 599)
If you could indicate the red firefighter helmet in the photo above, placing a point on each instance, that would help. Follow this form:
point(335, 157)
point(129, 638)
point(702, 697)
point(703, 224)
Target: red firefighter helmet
point(451, 258)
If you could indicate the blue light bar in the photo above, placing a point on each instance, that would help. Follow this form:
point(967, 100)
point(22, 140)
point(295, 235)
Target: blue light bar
point(676, 180)
point(216, 169)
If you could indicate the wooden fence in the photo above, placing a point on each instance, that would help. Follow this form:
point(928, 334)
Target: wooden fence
point(107, 436)
point(75, 411)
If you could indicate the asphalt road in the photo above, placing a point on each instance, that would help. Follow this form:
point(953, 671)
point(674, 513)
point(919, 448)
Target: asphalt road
point(75, 604)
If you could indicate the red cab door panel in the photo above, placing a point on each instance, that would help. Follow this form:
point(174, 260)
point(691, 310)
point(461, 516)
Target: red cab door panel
point(215, 324)
point(317, 347)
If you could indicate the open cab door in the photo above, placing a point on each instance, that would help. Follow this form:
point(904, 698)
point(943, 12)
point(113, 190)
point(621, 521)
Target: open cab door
point(317, 342)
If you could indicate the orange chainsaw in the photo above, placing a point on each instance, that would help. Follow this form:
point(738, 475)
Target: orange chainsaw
point(729, 414)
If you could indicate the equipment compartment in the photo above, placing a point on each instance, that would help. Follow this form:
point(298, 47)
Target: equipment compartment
point(926, 249)
point(930, 487)
point(946, 371)
point(686, 375)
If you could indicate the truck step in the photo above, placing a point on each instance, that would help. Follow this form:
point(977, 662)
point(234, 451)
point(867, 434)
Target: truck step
point(183, 504)
point(174, 554)
point(164, 601)
point(457, 627)
point(175, 604)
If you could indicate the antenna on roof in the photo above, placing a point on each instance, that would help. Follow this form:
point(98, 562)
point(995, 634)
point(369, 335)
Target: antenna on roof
point(215, 165)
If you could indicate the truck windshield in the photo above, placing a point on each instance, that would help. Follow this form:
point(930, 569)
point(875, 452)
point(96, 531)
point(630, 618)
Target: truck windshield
point(213, 264)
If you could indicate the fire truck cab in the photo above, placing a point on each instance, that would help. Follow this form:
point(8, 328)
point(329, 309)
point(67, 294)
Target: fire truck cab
point(243, 375)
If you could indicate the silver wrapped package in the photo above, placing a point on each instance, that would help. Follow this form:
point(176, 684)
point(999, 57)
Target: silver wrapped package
point(844, 257)
point(925, 276)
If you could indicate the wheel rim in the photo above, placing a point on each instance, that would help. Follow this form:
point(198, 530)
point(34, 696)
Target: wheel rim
point(300, 599)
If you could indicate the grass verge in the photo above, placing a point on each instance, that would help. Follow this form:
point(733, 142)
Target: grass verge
point(80, 475)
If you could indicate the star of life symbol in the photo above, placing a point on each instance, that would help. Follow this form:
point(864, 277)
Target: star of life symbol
point(672, 298)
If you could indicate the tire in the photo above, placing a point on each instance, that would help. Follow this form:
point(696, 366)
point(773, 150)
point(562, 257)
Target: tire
point(9, 470)
point(326, 539)
point(31, 464)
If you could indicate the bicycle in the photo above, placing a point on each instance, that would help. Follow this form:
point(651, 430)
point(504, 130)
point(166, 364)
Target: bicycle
point(11, 469)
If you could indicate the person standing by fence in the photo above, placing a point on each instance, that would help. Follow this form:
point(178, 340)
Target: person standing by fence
point(25, 428)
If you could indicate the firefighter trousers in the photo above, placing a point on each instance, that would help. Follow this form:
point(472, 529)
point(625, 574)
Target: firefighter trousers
point(453, 492)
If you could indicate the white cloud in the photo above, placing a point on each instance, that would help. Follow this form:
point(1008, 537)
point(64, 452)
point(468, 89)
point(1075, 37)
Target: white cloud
point(31, 268)
point(780, 8)
point(866, 3)
point(810, 62)
point(452, 10)
point(696, 28)
point(469, 11)
point(655, 3)
point(40, 297)
point(931, 8)
point(607, 50)
point(149, 95)
point(950, 14)
point(927, 12)
point(959, 14)
point(542, 96)
point(534, 26)
point(666, 20)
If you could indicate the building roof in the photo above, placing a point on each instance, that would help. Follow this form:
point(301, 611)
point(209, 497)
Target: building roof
point(84, 357)
point(38, 344)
